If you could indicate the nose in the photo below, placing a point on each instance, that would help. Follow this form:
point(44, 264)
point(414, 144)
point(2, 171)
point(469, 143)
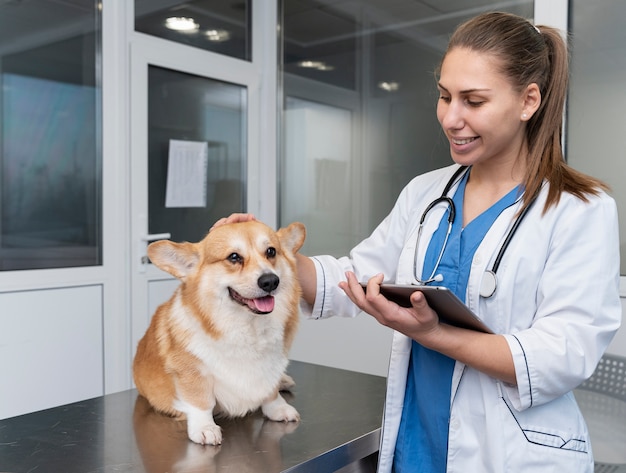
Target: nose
point(268, 282)
point(450, 115)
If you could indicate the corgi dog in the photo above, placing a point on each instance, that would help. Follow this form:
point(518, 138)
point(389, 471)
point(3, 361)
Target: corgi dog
point(219, 345)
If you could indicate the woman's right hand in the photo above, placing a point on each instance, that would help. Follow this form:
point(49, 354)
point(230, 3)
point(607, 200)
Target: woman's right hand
point(233, 218)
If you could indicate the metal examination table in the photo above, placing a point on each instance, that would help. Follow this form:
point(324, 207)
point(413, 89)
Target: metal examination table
point(340, 430)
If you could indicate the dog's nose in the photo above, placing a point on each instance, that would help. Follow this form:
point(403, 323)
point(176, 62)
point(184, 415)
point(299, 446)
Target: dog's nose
point(268, 282)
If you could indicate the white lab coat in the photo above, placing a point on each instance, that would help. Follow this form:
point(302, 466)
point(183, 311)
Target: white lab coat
point(557, 304)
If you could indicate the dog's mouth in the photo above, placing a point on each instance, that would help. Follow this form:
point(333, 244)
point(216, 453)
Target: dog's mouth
point(259, 305)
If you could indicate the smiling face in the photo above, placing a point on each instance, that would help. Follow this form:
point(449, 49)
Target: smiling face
point(480, 111)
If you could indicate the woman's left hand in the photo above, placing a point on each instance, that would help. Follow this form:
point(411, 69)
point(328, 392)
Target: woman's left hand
point(418, 322)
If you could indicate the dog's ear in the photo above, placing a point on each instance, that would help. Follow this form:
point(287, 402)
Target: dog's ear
point(178, 259)
point(292, 237)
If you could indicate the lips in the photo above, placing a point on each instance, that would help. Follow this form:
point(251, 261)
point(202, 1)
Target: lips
point(259, 305)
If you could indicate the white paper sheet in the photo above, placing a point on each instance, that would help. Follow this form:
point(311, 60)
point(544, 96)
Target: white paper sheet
point(187, 174)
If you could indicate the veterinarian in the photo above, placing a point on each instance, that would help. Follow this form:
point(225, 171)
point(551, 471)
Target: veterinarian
point(465, 401)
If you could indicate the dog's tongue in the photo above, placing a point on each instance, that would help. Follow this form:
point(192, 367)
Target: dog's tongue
point(264, 304)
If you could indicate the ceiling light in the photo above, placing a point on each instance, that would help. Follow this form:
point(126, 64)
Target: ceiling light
point(309, 64)
point(182, 24)
point(319, 65)
point(389, 86)
point(324, 67)
point(217, 35)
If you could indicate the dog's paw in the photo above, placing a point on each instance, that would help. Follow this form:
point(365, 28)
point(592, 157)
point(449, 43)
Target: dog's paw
point(286, 383)
point(274, 431)
point(207, 435)
point(280, 411)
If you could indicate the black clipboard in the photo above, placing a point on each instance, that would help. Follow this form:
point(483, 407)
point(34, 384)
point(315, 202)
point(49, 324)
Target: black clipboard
point(449, 307)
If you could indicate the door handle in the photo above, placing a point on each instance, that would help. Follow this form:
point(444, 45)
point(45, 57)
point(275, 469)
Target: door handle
point(156, 236)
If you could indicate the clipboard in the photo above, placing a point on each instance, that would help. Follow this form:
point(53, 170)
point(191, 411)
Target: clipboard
point(449, 307)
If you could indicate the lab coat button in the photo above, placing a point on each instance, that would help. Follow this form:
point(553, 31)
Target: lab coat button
point(477, 259)
point(454, 424)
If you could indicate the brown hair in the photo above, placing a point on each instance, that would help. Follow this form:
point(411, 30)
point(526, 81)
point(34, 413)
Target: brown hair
point(533, 54)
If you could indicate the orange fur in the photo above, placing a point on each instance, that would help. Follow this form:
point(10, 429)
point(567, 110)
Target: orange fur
point(220, 343)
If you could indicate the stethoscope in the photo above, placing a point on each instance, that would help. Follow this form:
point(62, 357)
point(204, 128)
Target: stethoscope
point(489, 282)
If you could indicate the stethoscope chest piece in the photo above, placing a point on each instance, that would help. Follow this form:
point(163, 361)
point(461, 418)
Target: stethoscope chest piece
point(488, 284)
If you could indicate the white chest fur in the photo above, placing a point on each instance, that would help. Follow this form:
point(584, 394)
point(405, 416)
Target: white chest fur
point(245, 363)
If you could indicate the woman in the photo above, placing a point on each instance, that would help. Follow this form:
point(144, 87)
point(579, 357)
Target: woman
point(467, 401)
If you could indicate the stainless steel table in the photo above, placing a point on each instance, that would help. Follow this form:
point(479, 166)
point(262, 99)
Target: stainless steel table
point(340, 428)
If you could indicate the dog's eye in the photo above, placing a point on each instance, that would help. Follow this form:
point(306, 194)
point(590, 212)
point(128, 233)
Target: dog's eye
point(235, 258)
point(270, 252)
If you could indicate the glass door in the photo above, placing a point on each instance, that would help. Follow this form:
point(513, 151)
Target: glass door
point(188, 158)
point(196, 152)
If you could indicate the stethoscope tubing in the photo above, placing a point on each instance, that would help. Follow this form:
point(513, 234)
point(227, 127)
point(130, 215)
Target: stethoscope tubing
point(443, 199)
point(489, 284)
point(510, 235)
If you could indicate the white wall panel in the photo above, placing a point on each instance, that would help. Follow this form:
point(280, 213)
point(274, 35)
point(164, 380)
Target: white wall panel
point(360, 344)
point(50, 347)
point(158, 292)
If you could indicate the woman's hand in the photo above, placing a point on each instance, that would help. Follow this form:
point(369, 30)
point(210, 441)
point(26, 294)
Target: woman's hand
point(233, 218)
point(419, 322)
point(486, 352)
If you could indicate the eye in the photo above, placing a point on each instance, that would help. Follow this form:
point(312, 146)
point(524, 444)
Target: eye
point(270, 252)
point(235, 258)
point(444, 98)
point(474, 103)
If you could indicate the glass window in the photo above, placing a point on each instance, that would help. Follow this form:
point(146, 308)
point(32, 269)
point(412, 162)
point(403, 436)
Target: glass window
point(597, 96)
point(50, 162)
point(194, 110)
point(221, 26)
point(359, 115)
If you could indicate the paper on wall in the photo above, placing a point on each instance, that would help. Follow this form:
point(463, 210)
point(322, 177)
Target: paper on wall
point(187, 174)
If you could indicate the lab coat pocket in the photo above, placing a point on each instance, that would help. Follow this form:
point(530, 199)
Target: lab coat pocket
point(552, 437)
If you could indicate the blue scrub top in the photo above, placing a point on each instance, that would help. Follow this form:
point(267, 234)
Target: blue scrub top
point(422, 443)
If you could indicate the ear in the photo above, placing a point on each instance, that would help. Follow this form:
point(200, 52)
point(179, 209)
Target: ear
point(292, 237)
point(178, 259)
point(531, 100)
